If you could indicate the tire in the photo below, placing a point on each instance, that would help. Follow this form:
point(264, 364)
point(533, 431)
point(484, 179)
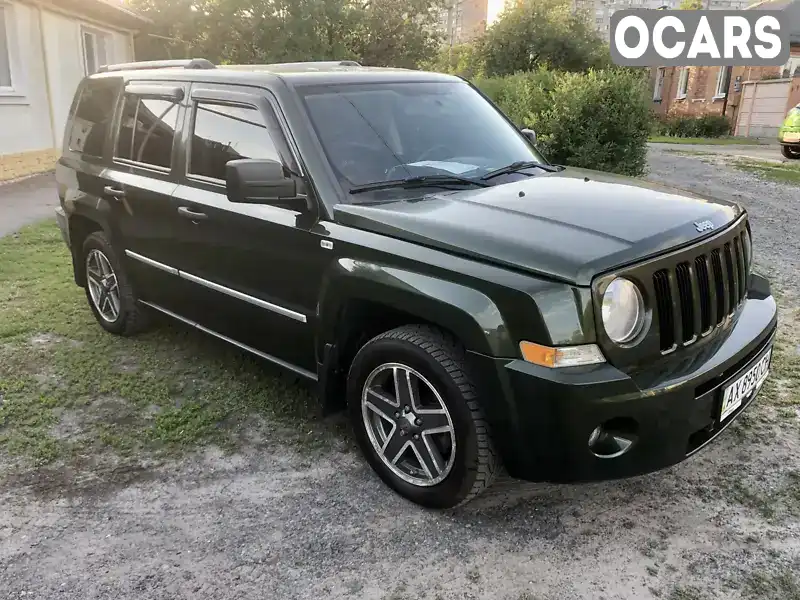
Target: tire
point(790, 152)
point(98, 256)
point(462, 462)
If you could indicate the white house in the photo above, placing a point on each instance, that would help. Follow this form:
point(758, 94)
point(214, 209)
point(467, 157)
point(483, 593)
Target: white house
point(46, 48)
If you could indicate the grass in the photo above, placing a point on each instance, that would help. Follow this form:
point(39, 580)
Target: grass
point(683, 152)
point(681, 592)
point(784, 172)
point(70, 392)
point(783, 585)
point(720, 141)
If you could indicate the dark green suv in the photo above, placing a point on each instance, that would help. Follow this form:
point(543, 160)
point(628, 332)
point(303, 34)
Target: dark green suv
point(392, 236)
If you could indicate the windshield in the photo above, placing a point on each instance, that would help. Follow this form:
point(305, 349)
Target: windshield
point(385, 132)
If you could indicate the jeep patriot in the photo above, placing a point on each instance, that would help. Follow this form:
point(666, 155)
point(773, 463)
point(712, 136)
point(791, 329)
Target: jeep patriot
point(390, 235)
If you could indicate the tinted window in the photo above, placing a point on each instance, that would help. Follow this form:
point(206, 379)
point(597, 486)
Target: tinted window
point(147, 130)
point(390, 131)
point(223, 133)
point(93, 114)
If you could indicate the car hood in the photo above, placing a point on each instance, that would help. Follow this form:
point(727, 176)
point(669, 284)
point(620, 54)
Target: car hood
point(570, 225)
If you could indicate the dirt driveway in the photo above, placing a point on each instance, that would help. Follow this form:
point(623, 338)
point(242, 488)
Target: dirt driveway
point(272, 518)
point(770, 151)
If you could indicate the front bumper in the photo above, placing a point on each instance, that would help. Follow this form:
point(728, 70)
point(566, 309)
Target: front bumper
point(673, 408)
point(789, 136)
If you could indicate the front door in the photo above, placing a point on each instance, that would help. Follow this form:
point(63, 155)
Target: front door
point(256, 269)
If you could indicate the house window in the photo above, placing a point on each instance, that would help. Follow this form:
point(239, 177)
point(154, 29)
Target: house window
point(791, 67)
point(96, 50)
point(659, 88)
point(723, 81)
point(5, 48)
point(683, 83)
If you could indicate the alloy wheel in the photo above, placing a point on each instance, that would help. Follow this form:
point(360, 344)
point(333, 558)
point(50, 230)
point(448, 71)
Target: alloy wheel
point(103, 285)
point(408, 424)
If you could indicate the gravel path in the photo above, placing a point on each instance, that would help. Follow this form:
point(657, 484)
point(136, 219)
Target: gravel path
point(774, 207)
point(272, 522)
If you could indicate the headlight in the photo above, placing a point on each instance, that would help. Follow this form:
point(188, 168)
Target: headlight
point(623, 310)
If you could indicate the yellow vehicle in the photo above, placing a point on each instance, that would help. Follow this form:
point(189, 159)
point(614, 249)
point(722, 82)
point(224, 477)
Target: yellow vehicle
point(789, 134)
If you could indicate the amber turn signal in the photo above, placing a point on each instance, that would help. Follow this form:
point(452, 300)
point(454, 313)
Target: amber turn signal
point(566, 356)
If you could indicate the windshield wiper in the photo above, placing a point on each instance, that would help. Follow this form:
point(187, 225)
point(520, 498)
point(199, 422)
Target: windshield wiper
point(519, 166)
point(421, 181)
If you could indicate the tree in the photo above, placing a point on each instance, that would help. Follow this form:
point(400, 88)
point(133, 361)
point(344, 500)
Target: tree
point(537, 32)
point(465, 60)
point(376, 32)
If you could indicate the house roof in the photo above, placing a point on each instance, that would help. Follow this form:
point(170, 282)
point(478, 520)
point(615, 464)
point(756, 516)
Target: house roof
point(792, 10)
point(113, 12)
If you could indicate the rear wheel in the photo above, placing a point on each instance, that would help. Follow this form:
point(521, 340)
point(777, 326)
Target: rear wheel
point(108, 289)
point(416, 417)
point(791, 152)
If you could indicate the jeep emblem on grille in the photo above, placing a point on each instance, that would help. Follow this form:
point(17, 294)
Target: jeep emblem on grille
point(704, 226)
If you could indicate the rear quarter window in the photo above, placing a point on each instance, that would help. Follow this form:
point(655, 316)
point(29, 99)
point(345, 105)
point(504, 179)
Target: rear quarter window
point(91, 115)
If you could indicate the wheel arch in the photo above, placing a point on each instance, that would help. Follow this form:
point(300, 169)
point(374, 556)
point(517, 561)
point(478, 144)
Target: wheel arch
point(360, 300)
point(81, 226)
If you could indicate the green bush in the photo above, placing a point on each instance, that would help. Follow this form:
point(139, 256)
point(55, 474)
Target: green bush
point(710, 126)
point(597, 120)
point(526, 95)
point(491, 86)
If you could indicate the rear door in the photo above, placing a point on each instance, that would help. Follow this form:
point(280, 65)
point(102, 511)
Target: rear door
point(140, 182)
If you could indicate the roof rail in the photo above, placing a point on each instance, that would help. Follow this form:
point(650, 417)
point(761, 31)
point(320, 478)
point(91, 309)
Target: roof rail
point(294, 66)
point(312, 64)
point(193, 63)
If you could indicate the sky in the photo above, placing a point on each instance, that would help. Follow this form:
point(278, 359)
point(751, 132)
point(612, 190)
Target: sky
point(494, 8)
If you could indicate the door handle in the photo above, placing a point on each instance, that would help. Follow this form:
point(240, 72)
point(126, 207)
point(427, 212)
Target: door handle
point(190, 214)
point(110, 190)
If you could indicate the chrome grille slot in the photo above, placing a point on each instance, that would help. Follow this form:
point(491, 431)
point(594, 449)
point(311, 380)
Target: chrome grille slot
point(719, 283)
point(664, 308)
point(704, 289)
point(682, 275)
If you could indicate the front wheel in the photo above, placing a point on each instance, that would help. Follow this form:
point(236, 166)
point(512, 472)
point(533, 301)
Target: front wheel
point(416, 417)
point(790, 152)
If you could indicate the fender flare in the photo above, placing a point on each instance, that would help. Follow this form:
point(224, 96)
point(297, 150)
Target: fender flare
point(97, 212)
point(467, 313)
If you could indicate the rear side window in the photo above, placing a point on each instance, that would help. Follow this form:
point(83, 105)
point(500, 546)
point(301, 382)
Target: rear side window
point(222, 133)
point(92, 116)
point(147, 130)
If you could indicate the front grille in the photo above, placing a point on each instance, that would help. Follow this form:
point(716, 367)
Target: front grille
point(700, 290)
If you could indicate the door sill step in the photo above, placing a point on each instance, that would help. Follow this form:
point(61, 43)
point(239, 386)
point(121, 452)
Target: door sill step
point(282, 363)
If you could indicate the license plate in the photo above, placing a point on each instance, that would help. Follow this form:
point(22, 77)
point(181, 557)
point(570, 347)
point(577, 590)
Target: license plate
point(791, 137)
point(745, 386)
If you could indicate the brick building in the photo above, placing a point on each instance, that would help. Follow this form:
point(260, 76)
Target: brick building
point(725, 90)
point(464, 20)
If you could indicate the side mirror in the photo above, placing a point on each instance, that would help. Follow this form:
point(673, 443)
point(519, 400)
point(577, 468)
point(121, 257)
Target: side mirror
point(530, 134)
point(261, 181)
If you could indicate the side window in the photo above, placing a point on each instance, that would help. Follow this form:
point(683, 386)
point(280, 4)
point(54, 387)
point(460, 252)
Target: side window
point(147, 130)
point(222, 133)
point(92, 116)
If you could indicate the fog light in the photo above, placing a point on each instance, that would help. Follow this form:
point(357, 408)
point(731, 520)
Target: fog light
point(613, 438)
